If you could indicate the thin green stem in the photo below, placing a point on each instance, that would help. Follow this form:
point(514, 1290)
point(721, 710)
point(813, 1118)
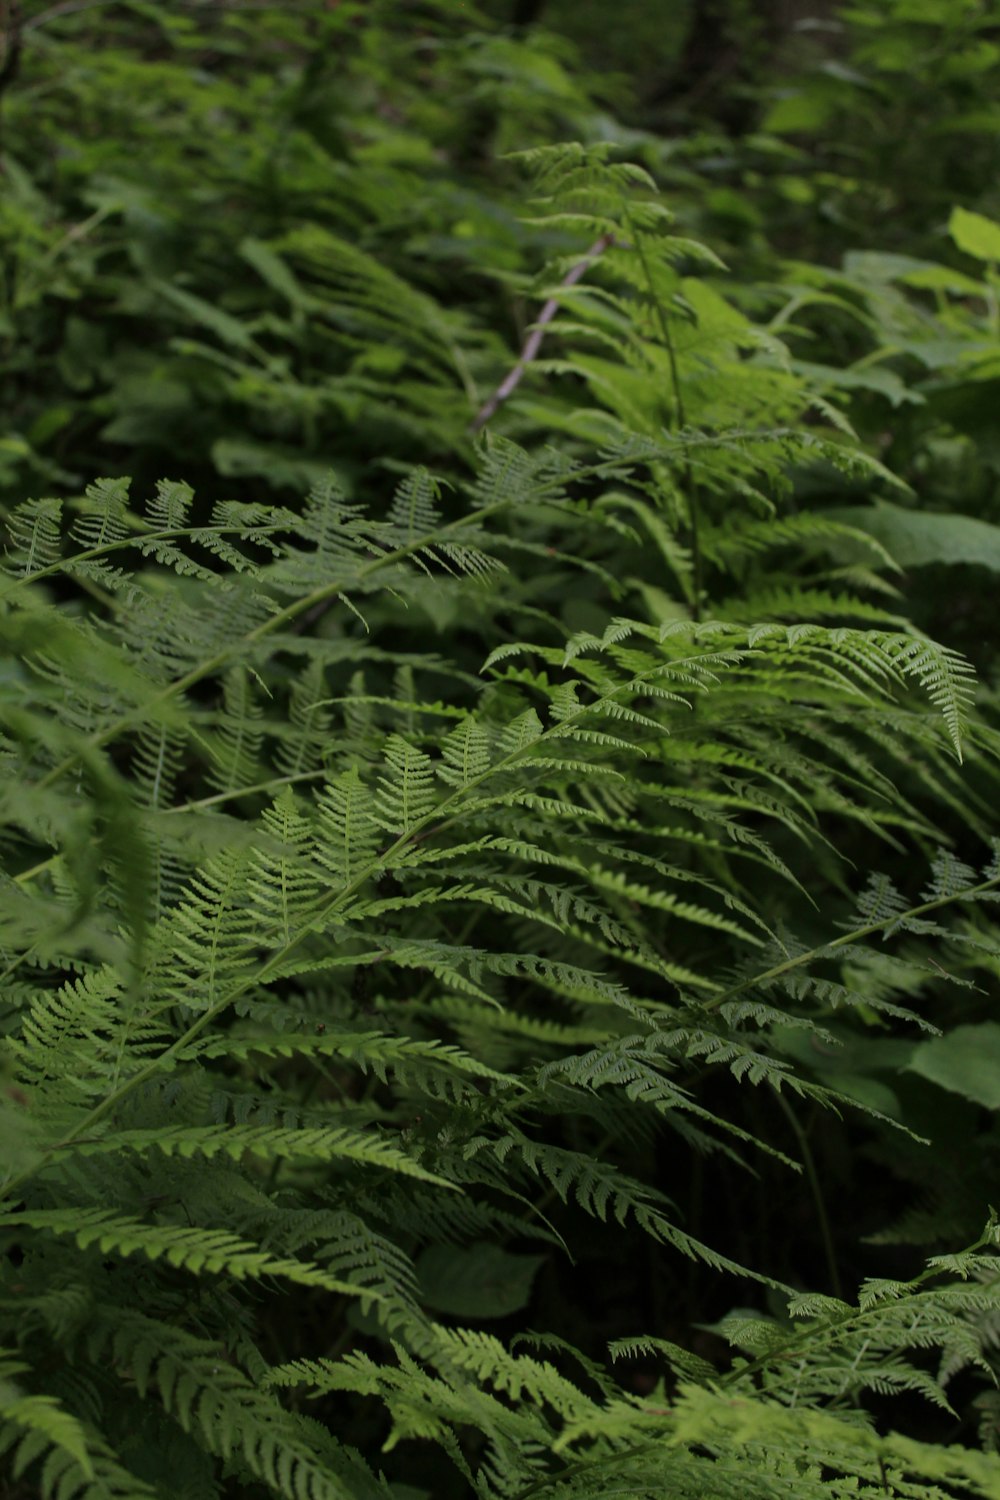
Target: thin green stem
point(819, 1202)
point(690, 487)
point(185, 807)
point(818, 1330)
point(845, 940)
point(588, 1465)
point(140, 538)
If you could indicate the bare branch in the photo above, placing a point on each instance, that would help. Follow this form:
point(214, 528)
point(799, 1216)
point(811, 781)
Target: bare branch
point(534, 339)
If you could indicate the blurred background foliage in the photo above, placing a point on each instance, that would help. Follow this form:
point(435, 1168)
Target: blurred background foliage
point(212, 213)
point(199, 200)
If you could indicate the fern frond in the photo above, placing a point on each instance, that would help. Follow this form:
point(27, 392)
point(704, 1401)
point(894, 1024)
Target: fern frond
point(406, 792)
point(203, 1389)
point(103, 514)
point(34, 531)
point(32, 1425)
point(269, 1143)
point(194, 1249)
point(210, 941)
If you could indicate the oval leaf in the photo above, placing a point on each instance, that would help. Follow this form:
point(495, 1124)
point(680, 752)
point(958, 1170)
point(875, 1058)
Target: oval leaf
point(975, 234)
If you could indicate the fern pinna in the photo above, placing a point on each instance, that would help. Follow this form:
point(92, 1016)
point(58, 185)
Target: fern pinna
point(351, 960)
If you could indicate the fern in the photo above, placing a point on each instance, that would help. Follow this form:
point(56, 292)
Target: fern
point(454, 872)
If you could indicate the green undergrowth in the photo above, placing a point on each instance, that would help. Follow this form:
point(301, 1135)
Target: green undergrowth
point(498, 923)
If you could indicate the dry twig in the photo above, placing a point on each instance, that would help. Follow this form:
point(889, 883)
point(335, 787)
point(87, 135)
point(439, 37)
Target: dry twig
point(533, 342)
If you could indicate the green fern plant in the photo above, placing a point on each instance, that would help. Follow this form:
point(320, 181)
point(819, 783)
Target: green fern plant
point(349, 953)
point(303, 1022)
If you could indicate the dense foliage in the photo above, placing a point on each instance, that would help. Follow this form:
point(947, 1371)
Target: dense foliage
point(499, 911)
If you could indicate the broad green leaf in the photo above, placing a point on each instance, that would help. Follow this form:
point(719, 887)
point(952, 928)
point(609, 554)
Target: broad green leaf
point(975, 234)
point(966, 1061)
point(917, 537)
point(934, 278)
point(479, 1281)
point(798, 111)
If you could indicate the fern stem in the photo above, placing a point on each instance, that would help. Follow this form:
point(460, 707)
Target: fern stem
point(245, 791)
point(812, 1177)
point(690, 488)
point(814, 1331)
point(183, 807)
point(141, 538)
point(588, 1465)
point(854, 936)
